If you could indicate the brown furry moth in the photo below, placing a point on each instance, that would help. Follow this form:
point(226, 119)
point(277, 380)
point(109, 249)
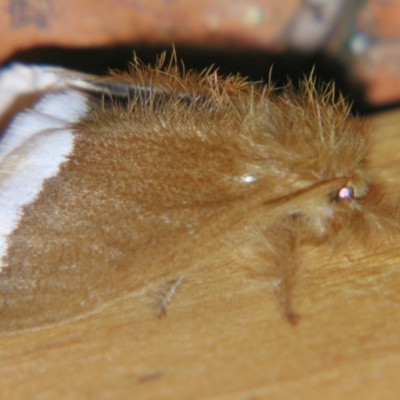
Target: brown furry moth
point(105, 181)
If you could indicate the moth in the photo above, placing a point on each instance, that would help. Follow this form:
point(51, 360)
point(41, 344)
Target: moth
point(105, 181)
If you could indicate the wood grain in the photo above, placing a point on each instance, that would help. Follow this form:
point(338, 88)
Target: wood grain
point(225, 336)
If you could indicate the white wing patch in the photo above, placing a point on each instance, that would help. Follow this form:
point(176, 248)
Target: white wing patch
point(18, 79)
point(32, 149)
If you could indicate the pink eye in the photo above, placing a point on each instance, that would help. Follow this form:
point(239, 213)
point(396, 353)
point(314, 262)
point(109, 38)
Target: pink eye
point(345, 193)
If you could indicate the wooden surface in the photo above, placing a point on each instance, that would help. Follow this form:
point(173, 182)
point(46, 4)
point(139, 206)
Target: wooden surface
point(225, 336)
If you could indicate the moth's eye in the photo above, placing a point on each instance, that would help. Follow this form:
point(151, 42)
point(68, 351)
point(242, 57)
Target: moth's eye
point(344, 192)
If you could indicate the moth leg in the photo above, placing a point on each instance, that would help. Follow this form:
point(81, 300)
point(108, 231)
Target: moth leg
point(284, 290)
point(164, 294)
point(281, 243)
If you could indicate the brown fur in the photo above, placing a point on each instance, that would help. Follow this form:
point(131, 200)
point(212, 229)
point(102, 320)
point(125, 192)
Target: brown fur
point(154, 189)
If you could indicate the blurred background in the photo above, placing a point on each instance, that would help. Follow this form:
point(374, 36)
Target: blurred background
point(356, 43)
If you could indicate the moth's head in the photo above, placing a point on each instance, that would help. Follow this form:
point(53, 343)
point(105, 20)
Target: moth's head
point(321, 169)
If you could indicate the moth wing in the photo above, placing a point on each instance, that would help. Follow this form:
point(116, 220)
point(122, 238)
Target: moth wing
point(37, 108)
